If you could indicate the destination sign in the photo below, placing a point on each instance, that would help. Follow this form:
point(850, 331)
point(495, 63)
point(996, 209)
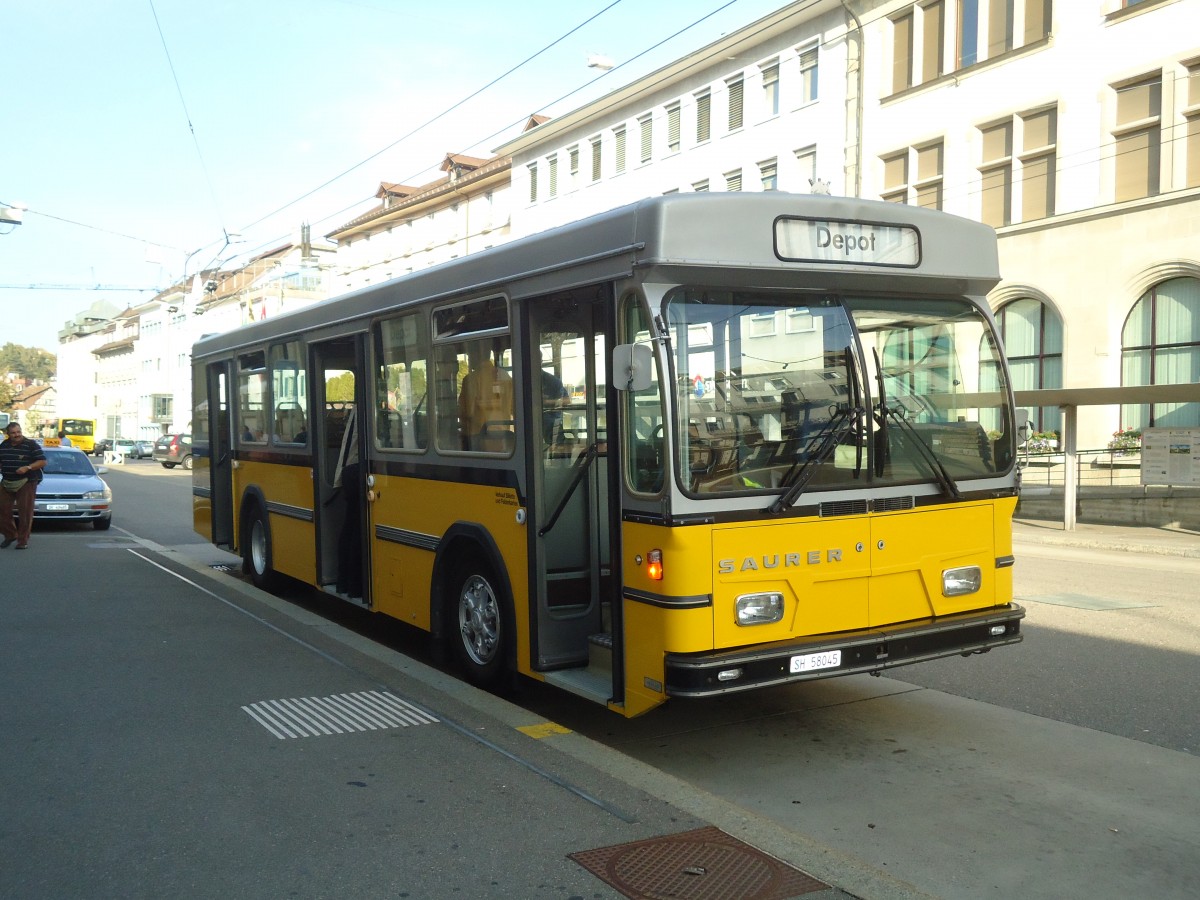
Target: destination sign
point(856, 243)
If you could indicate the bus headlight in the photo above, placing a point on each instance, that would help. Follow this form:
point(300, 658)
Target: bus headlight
point(759, 609)
point(963, 580)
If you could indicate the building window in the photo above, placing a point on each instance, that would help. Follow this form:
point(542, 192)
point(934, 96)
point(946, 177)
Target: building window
point(1138, 138)
point(1031, 173)
point(1037, 20)
point(619, 141)
point(902, 52)
point(703, 117)
point(1160, 344)
point(597, 157)
point(573, 167)
point(968, 33)
point(1191, 114)
point(700, 186)
point(1000, 27)
point(996, 173)
point(932, 36)
point(1033, 340)
point(808, 75)
point(552, 165)
point(673, 128)
point(806, 168)
point(770, 86)
point(533, 173)
point(646, 125)
point(768, 172)
point(895, 178)
point(929, 176)
point(735, 103)
point(1039, 155)
point(733, 180)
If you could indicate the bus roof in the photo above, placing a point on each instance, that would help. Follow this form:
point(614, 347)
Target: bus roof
point(673, 237)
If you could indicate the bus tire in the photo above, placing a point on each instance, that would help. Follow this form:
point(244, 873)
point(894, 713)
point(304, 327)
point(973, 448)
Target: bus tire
point(479, 624)
point(256, 549)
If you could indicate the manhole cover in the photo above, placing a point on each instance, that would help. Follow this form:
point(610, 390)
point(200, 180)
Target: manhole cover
point(705, 864)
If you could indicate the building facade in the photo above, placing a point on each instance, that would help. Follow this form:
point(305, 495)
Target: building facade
point(412, 228)
point(1073, 128)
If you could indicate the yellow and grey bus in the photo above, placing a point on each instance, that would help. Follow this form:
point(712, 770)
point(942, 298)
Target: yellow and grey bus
point(699, 444)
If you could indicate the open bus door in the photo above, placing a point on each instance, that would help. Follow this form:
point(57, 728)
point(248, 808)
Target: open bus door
point(575, 521)
point(220, 457)
point(340, 475)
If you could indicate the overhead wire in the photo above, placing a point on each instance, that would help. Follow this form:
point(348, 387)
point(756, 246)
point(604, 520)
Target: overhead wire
point(187, 115)
point(508, 126)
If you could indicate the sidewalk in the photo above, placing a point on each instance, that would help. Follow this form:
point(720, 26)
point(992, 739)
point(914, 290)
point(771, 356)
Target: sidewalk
point(1133, 539)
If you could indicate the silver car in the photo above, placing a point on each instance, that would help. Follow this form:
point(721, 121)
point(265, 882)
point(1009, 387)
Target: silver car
point(72, 490)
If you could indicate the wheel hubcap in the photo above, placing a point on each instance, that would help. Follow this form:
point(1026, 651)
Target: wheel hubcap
point(479, 620)
point(258, 548)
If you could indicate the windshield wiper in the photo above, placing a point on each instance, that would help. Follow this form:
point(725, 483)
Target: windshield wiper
point(826, 440)
point(944, 479)
point(799, 475)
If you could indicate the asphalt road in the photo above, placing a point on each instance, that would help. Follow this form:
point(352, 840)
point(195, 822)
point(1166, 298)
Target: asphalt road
point(1066, 766)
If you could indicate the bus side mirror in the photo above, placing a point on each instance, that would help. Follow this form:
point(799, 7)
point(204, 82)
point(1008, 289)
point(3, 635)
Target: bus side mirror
point(1023, 425)
point(632, 367)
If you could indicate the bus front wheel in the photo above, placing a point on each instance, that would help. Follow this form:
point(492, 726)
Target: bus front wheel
point(256, 550)
point(480, 626)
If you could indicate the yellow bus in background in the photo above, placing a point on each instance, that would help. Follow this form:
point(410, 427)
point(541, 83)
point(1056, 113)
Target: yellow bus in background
point(82, 433)
point(699, 444)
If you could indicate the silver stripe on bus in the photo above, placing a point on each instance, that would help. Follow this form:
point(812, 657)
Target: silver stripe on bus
point(409, 538)
point(697, 602)
point(292, 512)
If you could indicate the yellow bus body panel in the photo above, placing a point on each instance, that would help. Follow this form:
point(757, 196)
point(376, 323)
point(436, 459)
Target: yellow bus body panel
point(291, 486)
point(402, 574)
point(202, 506)
point(834, 574)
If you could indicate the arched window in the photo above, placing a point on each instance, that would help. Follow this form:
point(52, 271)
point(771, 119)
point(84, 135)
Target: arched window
point(1160, 344)
point(1033, 340)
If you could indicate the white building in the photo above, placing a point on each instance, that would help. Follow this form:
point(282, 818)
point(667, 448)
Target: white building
point(1073, 128)
point(413, 228)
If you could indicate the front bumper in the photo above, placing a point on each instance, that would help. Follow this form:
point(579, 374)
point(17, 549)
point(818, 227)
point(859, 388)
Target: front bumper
point(70, 510)
point(866, 650)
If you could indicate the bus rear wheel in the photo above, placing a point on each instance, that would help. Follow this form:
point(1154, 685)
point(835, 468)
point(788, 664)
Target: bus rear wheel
point(256, 550)
point(480, 626)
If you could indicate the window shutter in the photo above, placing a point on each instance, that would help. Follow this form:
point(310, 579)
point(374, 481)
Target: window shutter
point(735, 105)
point(703, 117)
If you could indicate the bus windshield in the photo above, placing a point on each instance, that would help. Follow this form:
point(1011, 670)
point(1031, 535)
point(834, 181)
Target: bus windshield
point(782, 392)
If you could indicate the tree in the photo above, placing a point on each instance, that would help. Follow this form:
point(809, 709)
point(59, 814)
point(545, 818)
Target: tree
point(31, 363)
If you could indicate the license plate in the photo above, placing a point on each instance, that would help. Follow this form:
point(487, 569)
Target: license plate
point(811, 662)
point(57, 507)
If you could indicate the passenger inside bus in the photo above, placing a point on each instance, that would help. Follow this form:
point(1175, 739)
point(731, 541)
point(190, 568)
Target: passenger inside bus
point(485, 403)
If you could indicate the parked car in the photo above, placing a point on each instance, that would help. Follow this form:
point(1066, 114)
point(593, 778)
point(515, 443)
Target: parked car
point(72, 490)
point(101, 445)
point(145, 449)
point(174, 450)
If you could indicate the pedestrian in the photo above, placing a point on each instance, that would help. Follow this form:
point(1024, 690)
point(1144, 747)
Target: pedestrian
point(63, 440)
point(21, 464)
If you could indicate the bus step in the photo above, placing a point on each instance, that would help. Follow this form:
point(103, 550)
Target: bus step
point(586, 683)
point(600, 654)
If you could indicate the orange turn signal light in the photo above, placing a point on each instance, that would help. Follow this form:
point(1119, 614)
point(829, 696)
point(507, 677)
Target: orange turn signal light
point(654, 565)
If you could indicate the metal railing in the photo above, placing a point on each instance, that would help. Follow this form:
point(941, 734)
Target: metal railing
point(1097, 468)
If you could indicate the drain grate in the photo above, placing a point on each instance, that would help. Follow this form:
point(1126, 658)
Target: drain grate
point(337, 714)
point(706, 864)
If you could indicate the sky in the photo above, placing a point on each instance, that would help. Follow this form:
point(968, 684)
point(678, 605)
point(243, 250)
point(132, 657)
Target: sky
point(149, 138)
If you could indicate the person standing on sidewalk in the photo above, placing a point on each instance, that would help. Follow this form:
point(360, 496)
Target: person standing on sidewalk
point(21, 464)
